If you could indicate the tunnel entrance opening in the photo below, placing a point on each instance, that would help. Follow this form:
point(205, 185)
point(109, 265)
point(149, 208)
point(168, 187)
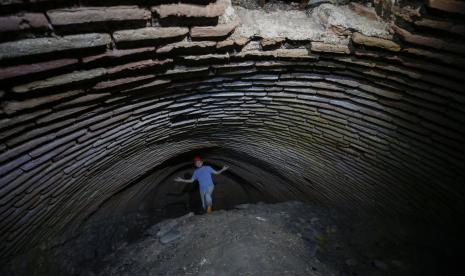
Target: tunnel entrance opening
point(235, 186)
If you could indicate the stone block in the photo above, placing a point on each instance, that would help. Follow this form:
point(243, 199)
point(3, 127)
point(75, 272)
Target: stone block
point(205, 59)
point(271, 43)
point(153, 65)
point(149, 36)
point(62, 114)
point(189, 14)
point(82, 100)
point(22, 119)
point(151, 86)
point(430, 41)
point(118, 54)
point(12, 131)
point(98, 18)
point(46, 157)
point(46, 45)
point(83, 123)
point(329, 48)
point(13, 164)
point(37, 131)
point(233, 44)
point(60, 80)
point(218, 32)
point(119, 118)
point(23, 22)
point(446, 26)
point(122, 83)
point(12, 153)
point(389, 45)
point(56, 143)
point(31, 69)
point(452, 6)
point(300, 56)
point(13, 106)
point(188, 48)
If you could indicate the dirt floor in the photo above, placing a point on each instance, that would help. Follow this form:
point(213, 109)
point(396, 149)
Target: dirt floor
point(290, 238)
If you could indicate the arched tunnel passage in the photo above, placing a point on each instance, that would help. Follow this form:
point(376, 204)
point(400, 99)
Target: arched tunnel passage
point(156, 194)
point(356, 106)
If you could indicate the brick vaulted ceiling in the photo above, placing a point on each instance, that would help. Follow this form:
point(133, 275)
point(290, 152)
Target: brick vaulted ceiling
point(364, 114)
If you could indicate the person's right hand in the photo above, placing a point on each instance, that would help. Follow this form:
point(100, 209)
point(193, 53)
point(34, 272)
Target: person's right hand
point(178, 179)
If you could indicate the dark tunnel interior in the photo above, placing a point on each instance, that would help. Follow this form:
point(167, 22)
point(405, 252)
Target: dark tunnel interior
point(342, 124)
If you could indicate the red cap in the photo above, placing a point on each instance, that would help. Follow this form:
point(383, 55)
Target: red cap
point(197, 158)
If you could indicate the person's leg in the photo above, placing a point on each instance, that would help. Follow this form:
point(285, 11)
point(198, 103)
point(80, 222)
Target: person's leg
point(208, 198)
point(202, 197)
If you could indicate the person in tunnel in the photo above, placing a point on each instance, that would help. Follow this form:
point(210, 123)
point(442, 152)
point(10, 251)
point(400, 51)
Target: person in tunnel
point(203, 175)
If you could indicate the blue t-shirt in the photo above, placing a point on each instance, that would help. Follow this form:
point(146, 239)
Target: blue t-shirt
point(204, 176)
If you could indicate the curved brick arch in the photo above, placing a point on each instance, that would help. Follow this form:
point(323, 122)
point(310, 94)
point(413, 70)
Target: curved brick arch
point(93, 97)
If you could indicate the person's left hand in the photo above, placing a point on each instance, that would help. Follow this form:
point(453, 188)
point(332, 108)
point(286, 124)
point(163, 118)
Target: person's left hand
point(225, 167)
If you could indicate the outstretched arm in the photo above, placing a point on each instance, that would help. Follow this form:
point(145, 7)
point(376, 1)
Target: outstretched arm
point(220, 171)
point(179, 179)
